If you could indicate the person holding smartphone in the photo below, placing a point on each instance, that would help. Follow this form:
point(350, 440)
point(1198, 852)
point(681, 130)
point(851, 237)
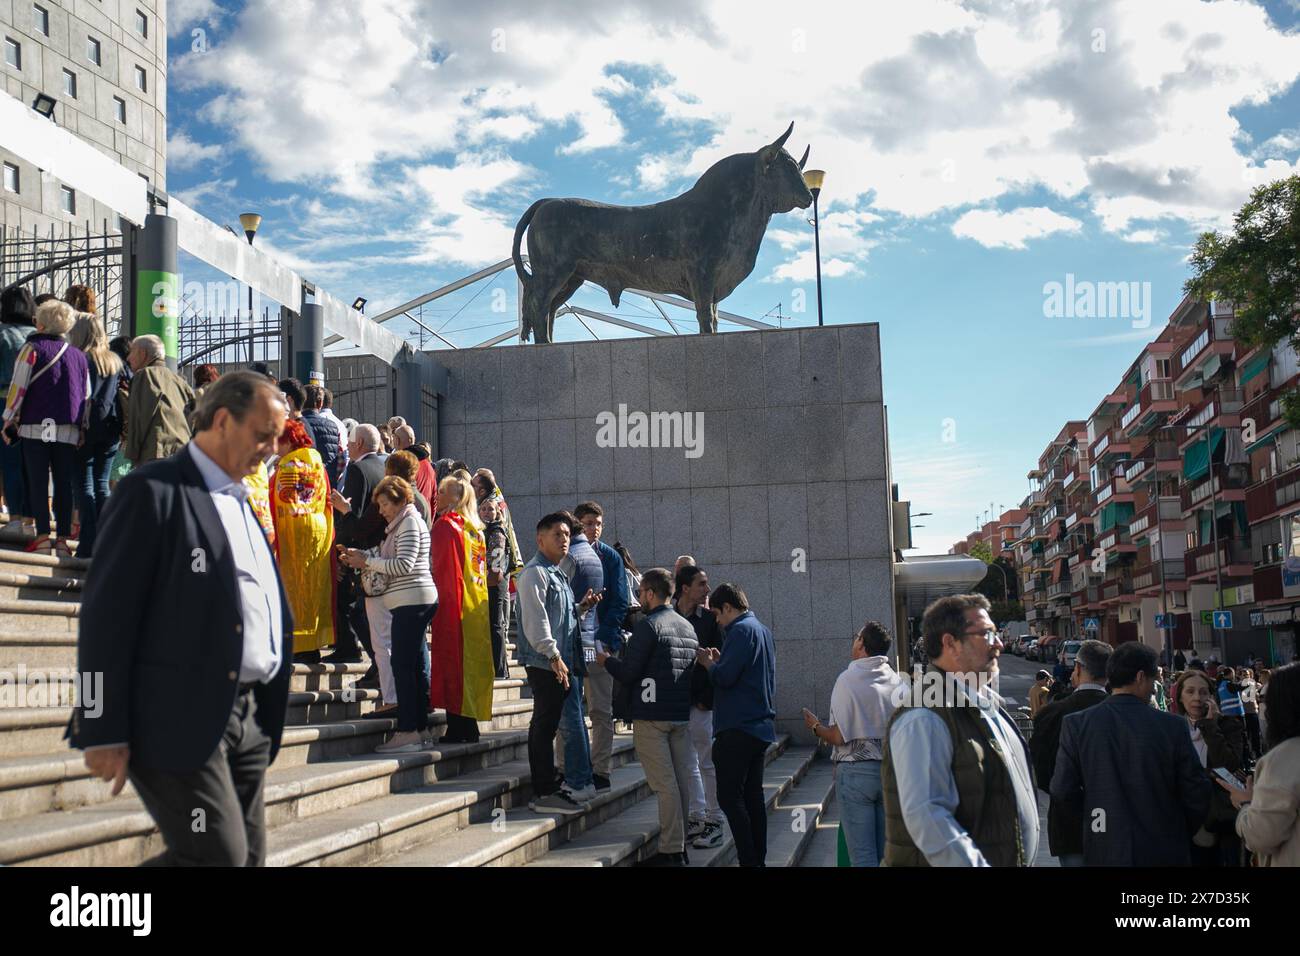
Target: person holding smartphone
point(1217, 739)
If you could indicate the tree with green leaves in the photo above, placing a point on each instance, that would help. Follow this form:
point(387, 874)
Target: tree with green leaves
point(1256, 267)
point(981, 550)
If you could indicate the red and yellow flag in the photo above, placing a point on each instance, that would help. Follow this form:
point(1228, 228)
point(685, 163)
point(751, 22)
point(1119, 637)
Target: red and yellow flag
point(461, 651)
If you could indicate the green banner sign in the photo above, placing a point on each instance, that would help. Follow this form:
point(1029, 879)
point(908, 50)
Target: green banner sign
point(157, 307)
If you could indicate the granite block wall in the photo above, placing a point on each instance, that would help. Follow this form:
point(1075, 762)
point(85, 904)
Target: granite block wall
point(788, 495)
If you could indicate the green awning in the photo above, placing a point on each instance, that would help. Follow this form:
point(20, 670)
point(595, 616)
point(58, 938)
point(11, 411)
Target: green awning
point(1266, 437)
point(1196, 460)
point(1256, 365)
point(1115, 513)
point(1135, 379)
point(1203, 526)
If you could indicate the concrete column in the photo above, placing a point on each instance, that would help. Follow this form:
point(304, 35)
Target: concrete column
point(408, 393)
point(308, 364)
point(155, 284)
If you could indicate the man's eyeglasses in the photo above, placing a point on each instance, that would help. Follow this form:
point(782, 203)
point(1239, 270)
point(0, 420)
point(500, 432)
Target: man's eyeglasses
point(989, 634)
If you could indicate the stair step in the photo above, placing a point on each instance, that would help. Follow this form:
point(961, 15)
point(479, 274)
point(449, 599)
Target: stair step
point(38, 615)
point(11, 552)
point(633, 836)
point(121, 833)
point(57, 779)
point(792, 822)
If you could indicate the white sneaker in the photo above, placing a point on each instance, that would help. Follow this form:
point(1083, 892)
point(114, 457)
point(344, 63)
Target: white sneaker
point(581, 796)
point(710, 838)
point(694, 828)
point(402, 743)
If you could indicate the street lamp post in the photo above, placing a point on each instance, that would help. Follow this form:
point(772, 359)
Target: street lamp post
point(250, 221)
point(813, 179)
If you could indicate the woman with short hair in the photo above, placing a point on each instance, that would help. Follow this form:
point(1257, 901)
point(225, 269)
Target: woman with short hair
point(47, 409)
point(410, 596)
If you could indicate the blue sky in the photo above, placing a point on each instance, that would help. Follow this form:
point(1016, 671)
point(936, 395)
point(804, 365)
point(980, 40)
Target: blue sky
point(974, 153)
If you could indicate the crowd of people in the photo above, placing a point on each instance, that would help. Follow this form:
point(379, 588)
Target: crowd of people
point(1135, 777)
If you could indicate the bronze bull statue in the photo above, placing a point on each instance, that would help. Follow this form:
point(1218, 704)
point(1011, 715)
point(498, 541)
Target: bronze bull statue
point(699, 245)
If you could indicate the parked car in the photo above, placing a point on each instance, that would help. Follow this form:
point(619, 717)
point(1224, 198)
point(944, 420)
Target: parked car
point(1031, 649)
point(1069, 651)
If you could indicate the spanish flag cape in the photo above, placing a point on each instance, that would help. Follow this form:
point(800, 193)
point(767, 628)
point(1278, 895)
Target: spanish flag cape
point(259, 499)
point(304, 533)
point(461, 651)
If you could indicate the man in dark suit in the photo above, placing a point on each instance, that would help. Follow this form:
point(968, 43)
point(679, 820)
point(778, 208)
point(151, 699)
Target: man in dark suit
point(1064, 827)
point(1131, 772)
point(184, 614)
point(357, 524)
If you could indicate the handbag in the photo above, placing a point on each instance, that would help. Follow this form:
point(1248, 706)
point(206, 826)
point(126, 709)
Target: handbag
point(373, 583)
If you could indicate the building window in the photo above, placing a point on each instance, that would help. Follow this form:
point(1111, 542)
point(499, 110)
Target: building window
point(68, 200)
point(11, 178)
point(141, 80)
point(13, 54)
point(93, 51)
point(41, 19)
point(141, 24)
point(70, 84)
point(119, 109)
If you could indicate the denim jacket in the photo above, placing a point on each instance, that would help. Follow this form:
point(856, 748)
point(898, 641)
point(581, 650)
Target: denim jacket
point(547, 620)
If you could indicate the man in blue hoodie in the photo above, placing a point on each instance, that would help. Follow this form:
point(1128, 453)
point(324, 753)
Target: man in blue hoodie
point(744, 718)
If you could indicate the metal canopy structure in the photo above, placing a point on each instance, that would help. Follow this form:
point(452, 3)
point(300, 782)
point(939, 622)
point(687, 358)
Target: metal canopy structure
point(656, 299)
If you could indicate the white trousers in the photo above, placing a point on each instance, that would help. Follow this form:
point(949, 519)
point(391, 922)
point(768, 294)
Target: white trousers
point(381, 639)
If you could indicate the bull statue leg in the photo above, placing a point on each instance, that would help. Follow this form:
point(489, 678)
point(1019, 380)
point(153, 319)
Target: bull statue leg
point(540, 304)
point(706, 310)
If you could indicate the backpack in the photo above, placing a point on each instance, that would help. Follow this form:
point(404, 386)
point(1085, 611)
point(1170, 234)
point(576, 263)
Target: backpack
point(105, 411)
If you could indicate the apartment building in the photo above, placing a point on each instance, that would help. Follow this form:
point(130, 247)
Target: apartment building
point(1179, 496)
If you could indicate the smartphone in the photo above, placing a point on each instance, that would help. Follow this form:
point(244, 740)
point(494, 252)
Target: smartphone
point(1226, 775)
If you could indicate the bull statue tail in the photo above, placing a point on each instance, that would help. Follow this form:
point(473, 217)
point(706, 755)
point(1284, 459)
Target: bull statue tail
point(519, 238)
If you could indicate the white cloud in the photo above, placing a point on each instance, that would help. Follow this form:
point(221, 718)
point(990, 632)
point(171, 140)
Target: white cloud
point(185, 153)
point(195, 196)
point(1010, 230)
point(183, 15)
point(1145, 235)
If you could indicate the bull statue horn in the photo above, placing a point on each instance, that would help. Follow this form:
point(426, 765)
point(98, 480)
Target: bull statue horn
point(804, 158)
point(769, 153)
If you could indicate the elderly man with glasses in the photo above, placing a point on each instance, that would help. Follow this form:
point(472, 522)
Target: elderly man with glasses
point(956, 779)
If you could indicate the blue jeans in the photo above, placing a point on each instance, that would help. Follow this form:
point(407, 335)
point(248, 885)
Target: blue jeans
point(410, 658)
point(577, 748)
point(11, 461)
point(93, 462)
point(862, 810)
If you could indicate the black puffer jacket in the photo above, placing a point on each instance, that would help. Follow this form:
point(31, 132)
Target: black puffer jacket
point(325, 436)
point(657, 666)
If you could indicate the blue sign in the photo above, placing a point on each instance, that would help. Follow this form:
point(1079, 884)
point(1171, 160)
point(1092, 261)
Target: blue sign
point(1164, 622)
point(1091, 624)
point(1223, 620)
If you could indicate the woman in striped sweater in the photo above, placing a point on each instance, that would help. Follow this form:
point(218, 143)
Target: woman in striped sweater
point(412, 599)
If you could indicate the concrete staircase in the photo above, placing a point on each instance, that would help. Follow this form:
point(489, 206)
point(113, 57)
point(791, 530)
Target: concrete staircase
point(330, 800)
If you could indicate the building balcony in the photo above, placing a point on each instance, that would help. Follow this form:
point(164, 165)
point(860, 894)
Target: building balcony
point(1059, 591)
point(1146, 578)
point(1171, 517)
point(1116, 541)
point(1227, 483)
point(1155, 400)
point(1234, 561)
point(1116, 589)
point(1117, 489)
point(1219, 409)
point(1203, 355)
point(1274, 496)
point(1265, 410)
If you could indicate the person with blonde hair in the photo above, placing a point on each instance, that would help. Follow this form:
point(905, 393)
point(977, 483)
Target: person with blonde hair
point(462, 667)
point(46, 410)
point(103, 426)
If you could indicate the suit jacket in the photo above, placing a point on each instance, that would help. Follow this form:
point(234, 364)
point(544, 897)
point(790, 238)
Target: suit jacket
point(1064, 828)
point(363, 526)
point(161, 620)
point(156, 421)
point(1136, 765)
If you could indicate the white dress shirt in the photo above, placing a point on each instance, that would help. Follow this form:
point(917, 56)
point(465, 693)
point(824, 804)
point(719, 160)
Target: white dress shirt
point(259, 589)
point(921, 749)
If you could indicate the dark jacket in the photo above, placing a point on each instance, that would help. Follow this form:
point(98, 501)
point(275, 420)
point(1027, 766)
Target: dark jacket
point(363, 526)
point(1131, 774)
point(168, 638)
point(325, 436)
point(613, 605)
point(156, 425)
point(744, 680)
point(708, 634)
point(657, 665)
point(1064, 827)
point(1224, 737)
